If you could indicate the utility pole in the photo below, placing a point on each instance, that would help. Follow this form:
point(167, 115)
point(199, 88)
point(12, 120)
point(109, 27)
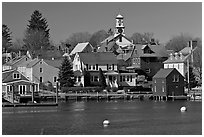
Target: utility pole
point(56, 92)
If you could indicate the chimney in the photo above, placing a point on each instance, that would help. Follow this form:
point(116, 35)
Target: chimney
point(176, 56)
point(181, 55)
point(171, 56)
point(19, 53)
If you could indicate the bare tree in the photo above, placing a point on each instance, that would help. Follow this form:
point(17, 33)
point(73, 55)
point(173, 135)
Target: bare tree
point(78, 37)
point(178, 42)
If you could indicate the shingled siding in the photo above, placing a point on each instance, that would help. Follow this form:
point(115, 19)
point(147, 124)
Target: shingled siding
point(153, 66)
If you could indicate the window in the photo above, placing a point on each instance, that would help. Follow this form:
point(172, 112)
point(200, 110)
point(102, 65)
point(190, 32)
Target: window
point(107, 66)
point(112, 66)
point(155, 81)
point(9, 88)
point(22, 89)
point(155, 88)
point(55, 79)
point(41, 79)
point(92, 78)
point(96, 66)
point(176, 78)
point(40, 62)
point(162, 88)
point(128, 78)
point(120, 39)
point(148, 70)
point(95, 78)
point(16, 76)
point(89, 67)
point(79, 78)
point(121, 78)
point(41, 70)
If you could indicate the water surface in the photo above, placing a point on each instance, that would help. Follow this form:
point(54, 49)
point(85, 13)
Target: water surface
point(85, 118)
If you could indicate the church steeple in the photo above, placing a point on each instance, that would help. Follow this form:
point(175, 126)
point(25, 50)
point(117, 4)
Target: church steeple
point(119, 27)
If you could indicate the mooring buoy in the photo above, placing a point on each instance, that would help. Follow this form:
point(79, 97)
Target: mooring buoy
point(106, 122)
point(183, 109)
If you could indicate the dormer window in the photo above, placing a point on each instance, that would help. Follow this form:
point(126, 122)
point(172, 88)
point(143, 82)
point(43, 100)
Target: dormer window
point(16, 76)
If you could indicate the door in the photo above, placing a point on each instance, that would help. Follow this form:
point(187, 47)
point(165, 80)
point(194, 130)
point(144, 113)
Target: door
point(22, 89)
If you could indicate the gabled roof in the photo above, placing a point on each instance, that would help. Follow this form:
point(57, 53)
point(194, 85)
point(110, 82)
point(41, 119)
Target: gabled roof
point(111, 37)
point(7, 76)
point(15, 60)
point(163, 73)
point(98, 58)
point(80, 47)
point(33, 62)
point(109, 46)
point(174, 60)
point(54, 63)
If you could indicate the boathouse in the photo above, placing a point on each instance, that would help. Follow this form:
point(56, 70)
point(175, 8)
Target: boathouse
point(168, 82)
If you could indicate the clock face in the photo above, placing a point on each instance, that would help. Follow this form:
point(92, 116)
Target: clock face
point(119, 22)
point(120, 30)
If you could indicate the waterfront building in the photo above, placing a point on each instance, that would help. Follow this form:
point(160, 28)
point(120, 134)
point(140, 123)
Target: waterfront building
point(145, 60)
point(92, 62)
point(41, 70)
point(15, 81)
point(168, 82)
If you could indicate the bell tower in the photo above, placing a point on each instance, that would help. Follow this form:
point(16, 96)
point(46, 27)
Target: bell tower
point(119, 27)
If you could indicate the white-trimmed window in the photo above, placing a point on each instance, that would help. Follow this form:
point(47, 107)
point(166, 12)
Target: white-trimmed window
point(89, 67)
point(94, 67)
point(41, 70)
point(128, 77)
point(155, 89)
point(79, 78)
point(9, 88)
point(41, 79)
point(16, 76)
point(162, 88)
point(22, 89)
point(123, 78)
point(55, 79)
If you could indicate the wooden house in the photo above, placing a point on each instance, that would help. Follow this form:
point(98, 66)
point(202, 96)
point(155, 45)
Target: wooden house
point(168, 82)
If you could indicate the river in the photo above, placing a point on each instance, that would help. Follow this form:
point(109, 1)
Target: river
point(85, 118)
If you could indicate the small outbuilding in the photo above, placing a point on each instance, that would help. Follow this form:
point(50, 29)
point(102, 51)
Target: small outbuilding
point(168, 82)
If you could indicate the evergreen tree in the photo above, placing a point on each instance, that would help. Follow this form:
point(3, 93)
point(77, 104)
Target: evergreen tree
point(102, 79)
point(87, 78)
point(6, 38)
point(66, 74)
point(37, 33)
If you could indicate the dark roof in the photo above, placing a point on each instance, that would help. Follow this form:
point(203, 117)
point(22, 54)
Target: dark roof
point(163, 73)
point(98, 58)
point(7, 76)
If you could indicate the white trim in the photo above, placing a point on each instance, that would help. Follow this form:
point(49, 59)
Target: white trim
point(20, 81)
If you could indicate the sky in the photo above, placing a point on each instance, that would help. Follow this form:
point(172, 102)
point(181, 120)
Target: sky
point(165, 20)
